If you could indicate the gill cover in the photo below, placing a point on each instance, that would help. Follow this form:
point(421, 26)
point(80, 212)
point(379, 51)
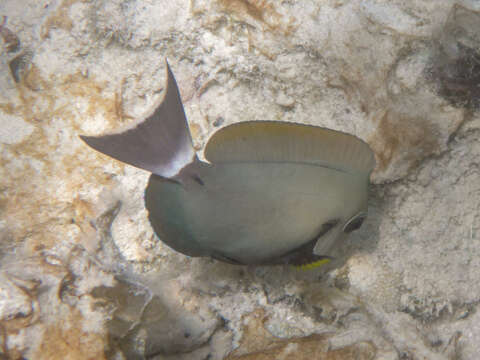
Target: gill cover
point(272, 192)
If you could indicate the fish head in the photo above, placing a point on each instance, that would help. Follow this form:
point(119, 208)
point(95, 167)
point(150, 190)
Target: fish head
point(339, 232)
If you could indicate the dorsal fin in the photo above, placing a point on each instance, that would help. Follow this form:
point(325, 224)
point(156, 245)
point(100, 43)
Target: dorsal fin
point(160, 142)
point(266, 141)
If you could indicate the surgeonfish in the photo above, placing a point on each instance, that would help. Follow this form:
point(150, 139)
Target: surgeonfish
point(270, 192)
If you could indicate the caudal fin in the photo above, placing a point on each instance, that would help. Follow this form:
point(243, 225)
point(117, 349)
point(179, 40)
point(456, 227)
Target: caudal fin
point(160, 142)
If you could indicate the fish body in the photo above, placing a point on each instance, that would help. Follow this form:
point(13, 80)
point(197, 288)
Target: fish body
point(252, 214)
point(270, 192)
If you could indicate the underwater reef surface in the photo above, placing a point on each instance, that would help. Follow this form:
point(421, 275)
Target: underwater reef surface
point(82, 274)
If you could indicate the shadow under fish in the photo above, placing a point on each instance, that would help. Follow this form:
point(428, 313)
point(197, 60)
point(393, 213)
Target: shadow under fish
point(271, 192)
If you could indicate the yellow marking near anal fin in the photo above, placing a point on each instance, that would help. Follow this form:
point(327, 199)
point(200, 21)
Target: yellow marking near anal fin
point(313, 265)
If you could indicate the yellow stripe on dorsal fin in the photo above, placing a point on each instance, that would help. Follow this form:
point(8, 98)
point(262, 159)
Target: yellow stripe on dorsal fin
point(313, 265)
point(276, 141)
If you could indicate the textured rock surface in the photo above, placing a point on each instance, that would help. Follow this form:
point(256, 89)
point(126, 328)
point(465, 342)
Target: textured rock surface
point(82, 274)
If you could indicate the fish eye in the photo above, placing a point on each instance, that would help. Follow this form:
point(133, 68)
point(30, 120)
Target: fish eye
point(354, 223)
